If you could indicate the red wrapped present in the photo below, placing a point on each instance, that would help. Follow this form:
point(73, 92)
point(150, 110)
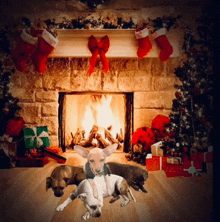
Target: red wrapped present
point(153, 163)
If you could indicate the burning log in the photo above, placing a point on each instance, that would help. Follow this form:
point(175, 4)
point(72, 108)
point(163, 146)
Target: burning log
point(92, 135)
point(77, 138)
point(112, 140)
point(102, 142)
point(119, 137)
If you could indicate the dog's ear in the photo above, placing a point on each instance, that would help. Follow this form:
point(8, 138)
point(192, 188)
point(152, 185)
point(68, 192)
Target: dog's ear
point(110, 149)
point(67, 180)
point(82, 196)
point(48, 183)
point(81, 151)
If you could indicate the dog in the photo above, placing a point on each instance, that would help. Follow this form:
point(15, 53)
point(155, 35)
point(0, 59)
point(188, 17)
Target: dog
point(65, 175)
point(62, 176)
point(117, 185)
point(134, 175)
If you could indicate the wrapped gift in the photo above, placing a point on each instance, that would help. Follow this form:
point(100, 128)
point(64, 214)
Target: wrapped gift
point(174, 160)
point(36, 137)
point(153, 163)
point(173, 170)
point(156, 150)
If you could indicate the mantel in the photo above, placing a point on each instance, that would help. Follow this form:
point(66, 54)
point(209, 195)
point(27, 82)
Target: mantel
point(123, 44)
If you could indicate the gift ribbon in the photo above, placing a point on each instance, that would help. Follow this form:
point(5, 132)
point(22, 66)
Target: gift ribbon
point(98, 48)
point(38, 138)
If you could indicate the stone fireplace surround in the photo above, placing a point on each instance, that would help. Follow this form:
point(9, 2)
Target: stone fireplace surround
point(151, 82)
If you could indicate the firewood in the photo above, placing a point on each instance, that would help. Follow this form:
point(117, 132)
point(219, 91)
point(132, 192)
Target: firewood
point(119, 137)
point(92, 135)
point(102, 142)
point(111, 139)
point(77, 137)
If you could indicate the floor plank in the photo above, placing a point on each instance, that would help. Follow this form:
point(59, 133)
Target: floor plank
point(24, 197)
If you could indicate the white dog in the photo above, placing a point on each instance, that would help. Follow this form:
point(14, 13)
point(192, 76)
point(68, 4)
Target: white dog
point(93, 201)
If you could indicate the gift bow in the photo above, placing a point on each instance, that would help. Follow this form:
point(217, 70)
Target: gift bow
point(37, 137)
point(98, 48)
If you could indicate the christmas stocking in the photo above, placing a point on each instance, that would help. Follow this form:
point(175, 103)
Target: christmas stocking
point(98, 48)
point(25, 46)
point(46, 43)
point(143, 41)
point(162, 42)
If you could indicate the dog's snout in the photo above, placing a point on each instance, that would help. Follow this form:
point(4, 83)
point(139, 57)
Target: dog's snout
point(98, 214)
point(58, 194)
point(98, 170)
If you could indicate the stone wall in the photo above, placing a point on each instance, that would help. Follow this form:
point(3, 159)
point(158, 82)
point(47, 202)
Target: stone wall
point(151, 81)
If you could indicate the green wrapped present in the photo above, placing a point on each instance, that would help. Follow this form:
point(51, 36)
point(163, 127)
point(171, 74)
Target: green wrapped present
point(36, 137)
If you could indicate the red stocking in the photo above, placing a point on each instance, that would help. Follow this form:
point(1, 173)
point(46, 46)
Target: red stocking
point(143, 41)
point(163, 44)
point(25, 46)
point(46, 44)
point(98, 48)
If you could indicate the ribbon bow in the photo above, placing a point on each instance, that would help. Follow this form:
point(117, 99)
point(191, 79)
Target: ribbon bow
point(98, 48)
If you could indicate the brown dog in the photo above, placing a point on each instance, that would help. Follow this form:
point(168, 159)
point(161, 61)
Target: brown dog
point(62, 176)
point(65, 175)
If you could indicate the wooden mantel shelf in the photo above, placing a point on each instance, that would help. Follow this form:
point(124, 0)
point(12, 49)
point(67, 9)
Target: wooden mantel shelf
point(123, 44)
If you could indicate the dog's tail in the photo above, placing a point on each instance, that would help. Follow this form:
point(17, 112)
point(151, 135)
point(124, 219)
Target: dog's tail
point(129, 190)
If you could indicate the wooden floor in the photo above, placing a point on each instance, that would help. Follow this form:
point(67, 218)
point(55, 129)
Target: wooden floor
point(24, 197)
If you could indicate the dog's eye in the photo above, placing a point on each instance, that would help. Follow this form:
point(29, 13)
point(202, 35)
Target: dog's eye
point(93, 207)
point(102, 160)
point(61, 188)
point(92, 161)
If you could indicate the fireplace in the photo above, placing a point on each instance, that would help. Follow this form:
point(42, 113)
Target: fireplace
point(93, 119)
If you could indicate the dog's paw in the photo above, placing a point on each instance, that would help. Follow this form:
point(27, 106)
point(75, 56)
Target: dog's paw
point(60, 207)
point(124, 204)
point(86, 216)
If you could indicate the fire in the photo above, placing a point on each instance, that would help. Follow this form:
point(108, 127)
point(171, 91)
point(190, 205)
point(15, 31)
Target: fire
point(99, 113)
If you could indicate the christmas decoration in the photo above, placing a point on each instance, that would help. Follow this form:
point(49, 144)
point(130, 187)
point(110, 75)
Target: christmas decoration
point(36, 137)
point(98, 48)
point(46, 44)
point(25, 46)
point(156, 150)
point(163, 44)
point(192, 112)
point(143, 41)
point(159, 125)
point(153, 163)
point(14, 126)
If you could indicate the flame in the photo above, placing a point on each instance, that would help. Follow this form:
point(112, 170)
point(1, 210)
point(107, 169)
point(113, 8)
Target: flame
point(100, 113)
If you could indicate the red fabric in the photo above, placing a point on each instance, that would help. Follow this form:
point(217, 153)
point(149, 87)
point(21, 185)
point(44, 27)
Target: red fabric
point(145, 136)
point(14, 126)
point(153, 164)
point(98, 48)
point(165, 47)
point(144, 46)
point(21, 53)
point(40, 55)
point(159, 124)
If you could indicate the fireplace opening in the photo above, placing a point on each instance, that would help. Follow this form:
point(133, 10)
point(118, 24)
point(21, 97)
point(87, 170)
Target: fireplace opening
point(95, 120)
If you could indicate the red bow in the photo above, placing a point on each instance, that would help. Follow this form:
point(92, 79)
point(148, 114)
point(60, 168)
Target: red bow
point(100, 48)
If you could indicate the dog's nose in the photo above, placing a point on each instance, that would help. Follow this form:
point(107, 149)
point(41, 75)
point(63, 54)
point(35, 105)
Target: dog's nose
point(98, 214)
point(58, 194)
point(98, 170)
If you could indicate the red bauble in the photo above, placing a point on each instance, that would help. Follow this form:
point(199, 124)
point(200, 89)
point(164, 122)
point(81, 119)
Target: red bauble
point(168, 148)
point(181, 110)
point(175, 153)
point(177, 94)
point(185, 149)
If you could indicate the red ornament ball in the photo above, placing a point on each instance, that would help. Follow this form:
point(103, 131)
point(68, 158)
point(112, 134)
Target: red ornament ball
point(185, 149)
point(177, 94)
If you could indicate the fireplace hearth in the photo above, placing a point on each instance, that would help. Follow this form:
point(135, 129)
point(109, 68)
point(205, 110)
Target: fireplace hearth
point(95, 120)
